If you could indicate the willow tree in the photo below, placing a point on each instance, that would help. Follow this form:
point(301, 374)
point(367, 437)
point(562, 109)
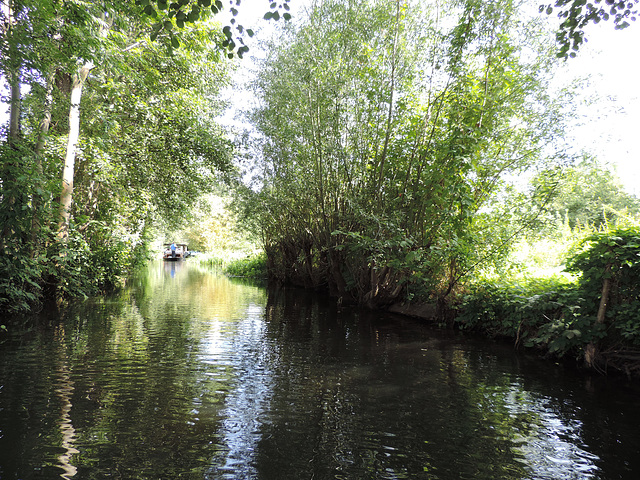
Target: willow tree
point(388, 133)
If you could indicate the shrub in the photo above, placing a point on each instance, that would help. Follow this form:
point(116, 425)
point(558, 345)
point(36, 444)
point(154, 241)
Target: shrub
point(609, 264)
point(253, 266)
point(518, 309)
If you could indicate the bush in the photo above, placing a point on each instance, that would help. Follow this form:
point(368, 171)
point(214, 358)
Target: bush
point(252, 267)
point(609, 263)
point(519, 309)
point(20, 278)
point(562, 316)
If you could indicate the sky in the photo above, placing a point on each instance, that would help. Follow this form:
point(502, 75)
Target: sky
point(611, 126)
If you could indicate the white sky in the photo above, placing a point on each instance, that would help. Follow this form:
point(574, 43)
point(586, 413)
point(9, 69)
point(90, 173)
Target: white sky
point(609, 58)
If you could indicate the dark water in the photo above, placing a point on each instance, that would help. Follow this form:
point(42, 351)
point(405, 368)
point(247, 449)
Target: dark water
point(188, 375)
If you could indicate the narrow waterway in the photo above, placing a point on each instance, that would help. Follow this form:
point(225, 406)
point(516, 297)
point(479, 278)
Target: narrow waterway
point(190, 375)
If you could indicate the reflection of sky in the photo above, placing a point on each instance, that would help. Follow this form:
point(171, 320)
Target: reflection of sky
point(249, 392)
point(550, 445)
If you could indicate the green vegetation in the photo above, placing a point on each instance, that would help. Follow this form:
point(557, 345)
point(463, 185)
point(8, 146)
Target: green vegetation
point(595, 316)
point(388, 134)
point(109, 134)
point(251, 267)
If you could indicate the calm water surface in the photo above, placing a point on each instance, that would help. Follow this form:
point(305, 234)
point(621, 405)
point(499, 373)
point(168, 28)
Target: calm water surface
point(189, 375)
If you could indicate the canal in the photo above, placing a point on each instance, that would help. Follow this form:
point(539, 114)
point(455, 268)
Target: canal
point(190, 375)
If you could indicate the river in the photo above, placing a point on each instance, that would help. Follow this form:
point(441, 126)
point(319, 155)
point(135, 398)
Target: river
point(190, 375)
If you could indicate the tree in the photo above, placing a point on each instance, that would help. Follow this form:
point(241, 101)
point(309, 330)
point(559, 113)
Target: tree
point(387, 136)
point(178, 14)
point(588, 194)
point(143, 108)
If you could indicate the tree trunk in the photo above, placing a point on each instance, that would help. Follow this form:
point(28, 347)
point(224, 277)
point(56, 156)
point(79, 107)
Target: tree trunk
point(69, 162)
point(13, 66)
point(45, 123)
point(591, 350)
point(14, 111)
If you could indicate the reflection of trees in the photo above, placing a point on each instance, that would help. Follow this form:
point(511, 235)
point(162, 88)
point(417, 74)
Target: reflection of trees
point(146, 398)
point(384, 404)
point(64, 392)
point(148, 386)
point(37, 436)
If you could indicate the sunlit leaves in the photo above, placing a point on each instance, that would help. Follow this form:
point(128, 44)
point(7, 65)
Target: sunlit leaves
point(185, 12)
point(366, 134)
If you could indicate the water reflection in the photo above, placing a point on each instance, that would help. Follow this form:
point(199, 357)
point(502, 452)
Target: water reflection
point(249, 398)
point(172, 268)
point(65, 392)
point(191, 375)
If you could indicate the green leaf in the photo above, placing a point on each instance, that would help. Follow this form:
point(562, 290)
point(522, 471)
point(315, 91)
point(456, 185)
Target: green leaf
point(175, 43)
point(194, 14)
point(149, 10)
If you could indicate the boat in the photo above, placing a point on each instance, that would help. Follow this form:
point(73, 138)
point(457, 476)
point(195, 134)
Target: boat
point(181, 252)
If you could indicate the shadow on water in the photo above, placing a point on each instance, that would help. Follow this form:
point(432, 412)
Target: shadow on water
point(188, 374)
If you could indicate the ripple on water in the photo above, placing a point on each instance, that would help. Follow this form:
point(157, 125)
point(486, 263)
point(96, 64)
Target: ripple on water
point(222, 382)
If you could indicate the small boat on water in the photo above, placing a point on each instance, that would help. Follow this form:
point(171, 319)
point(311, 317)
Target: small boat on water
point(175, 251)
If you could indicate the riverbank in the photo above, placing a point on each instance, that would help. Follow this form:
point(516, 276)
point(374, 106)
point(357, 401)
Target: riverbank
point(592, 317)
point(550, 316)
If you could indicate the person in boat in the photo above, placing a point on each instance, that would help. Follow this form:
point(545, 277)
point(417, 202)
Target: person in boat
point(173, 250)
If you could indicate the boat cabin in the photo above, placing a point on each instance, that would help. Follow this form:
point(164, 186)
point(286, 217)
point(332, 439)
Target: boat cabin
point(175, 251)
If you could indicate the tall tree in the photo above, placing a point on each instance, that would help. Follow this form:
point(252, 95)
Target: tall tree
point(586, 194)
point(134, 136)
point(69, 160)
point(388, 132)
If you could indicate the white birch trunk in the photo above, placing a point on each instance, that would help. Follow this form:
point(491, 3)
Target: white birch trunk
point(66, 196)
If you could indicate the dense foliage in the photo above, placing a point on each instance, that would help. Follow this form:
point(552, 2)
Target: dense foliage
point(108, 132)
point(388, 133)
point(596, 317)
point(587, 194)
point(250, 267)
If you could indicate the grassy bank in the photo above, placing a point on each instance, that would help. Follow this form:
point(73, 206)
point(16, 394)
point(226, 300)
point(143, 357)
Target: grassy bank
point(592, 313)
point(237, 264)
